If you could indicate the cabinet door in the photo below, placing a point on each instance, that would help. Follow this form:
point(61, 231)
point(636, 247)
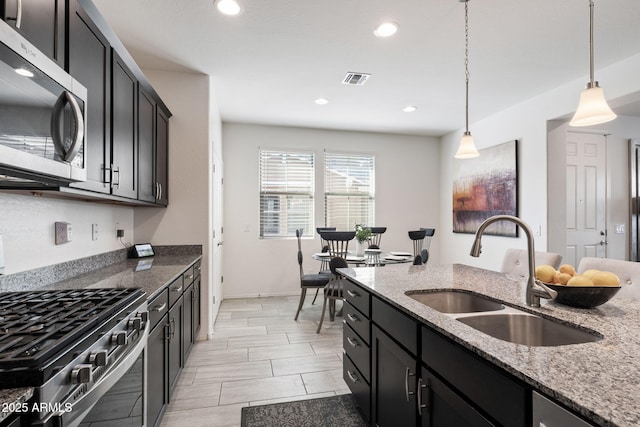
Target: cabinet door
point(146, 149)
point(162, 156)
point(39, 21)
point(393, 383)
point(156, 378)
point(175, 342)
point(440, 406)
point(196, 307)
point(187, 332)
point(89, 58)
point(124, 149)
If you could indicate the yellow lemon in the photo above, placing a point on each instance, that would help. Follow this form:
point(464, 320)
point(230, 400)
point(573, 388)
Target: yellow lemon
point(545, 273)
point(562, 278)
point(605, 278)
point(590, 273)
point(567, 268)
point(579, 280)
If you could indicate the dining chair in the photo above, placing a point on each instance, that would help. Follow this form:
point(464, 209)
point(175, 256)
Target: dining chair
point(376, 236)
point(627, 271)
point(333, 290)
point(516, 261)
point(307, 281)
point(324, 262)
point(338, 242)
point(417, 237)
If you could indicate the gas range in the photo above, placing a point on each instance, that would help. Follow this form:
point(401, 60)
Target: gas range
point(70, 345)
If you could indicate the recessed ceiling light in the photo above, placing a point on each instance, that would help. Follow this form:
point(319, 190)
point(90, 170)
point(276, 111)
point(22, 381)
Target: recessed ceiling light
point(386, 29)
point(228, 7)
point(24, 72)
point(409, 108)
point(321, 101)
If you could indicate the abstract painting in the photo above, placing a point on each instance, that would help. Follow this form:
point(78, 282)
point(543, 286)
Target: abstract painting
point(485, 186)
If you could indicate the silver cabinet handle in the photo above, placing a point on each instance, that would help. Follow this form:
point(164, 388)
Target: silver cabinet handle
point(352, 342)
point(159, 307)
point(190, 276)
point(353, 318)
point(421, 386)
point(352, 376)
point(160, 186)
point(407, 374)
point(177, 289)
point(353, 294)
point(19, 15)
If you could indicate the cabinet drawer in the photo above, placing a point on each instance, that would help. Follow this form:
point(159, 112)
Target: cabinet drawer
point(158, 307)
point(175, 290)
point(489, 388)
point(357, 297)
point(396, 324)
point(359, 388)
point(189, 275)
point(550, 414)
point(358, 351)
point(197, 267)
point(357, 321)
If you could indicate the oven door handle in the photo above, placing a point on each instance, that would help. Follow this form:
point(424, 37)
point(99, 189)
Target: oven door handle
point(73, 414)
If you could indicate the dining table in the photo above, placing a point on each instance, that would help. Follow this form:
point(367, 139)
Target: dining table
point(370, 258)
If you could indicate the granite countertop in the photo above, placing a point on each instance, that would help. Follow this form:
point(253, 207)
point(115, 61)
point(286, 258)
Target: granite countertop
point(600, 380)
point(164, 268)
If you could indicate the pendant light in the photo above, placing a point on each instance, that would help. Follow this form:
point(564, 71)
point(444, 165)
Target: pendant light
point(592, 108)
point(466, 149)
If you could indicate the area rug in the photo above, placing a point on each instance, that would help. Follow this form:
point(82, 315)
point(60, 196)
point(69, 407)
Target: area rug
point(323, 412)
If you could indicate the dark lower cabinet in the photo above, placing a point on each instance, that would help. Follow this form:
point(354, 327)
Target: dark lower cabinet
point(197, 298)
point(393, 385)
point(156, 361)
point(187, 336)
point(440, 406)
point(174, 343)
point(42, 22)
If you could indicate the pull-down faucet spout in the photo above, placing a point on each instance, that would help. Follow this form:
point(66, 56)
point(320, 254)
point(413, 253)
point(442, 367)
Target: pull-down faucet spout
point(535, 289)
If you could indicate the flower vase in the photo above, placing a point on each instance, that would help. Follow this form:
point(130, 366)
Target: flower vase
point(360, 247)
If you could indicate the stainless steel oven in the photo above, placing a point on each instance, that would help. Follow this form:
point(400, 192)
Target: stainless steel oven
point(42, 117)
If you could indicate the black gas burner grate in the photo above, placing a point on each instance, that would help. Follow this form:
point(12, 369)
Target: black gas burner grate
point(35, 326)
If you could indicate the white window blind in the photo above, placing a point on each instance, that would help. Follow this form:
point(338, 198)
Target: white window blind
point(286, 193)
point(349, 185)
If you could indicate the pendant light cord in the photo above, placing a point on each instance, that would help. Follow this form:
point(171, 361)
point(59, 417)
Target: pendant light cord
point(591, 81)
point(466, 62)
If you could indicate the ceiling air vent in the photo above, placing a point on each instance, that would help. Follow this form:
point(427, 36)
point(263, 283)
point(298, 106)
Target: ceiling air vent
point(355, 79)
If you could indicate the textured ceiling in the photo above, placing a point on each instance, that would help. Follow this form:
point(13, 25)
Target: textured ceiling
point(273, 60)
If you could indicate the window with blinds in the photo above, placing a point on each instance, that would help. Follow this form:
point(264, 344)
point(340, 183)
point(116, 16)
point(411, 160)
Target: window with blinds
point(349, 185)
point(286, 193)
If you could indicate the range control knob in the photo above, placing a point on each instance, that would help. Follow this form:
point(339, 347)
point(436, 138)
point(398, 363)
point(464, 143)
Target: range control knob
point(81, 374)
point(135, 323)
point(99, 358)
point(144, 316)
point(119, 338)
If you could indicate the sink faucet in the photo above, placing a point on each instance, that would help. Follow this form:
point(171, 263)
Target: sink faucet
point(535, 288)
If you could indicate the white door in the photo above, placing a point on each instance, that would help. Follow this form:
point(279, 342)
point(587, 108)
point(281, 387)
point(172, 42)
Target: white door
point(217, 235)
point(586, 197)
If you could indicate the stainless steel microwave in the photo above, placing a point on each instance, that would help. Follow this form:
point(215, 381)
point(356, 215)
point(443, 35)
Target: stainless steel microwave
point(42, 117)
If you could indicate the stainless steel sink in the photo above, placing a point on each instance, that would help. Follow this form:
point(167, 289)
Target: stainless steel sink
point(528, 329)
point(455, 301)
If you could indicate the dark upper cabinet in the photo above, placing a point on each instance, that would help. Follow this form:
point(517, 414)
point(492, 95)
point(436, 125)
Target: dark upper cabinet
point(162, 155)
point(124, 148)
point(153, 140)
point(42, 22)
point(146, 147)
point(89, 61)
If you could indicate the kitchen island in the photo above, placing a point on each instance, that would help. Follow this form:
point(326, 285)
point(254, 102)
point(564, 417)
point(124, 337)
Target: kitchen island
point(600, 380)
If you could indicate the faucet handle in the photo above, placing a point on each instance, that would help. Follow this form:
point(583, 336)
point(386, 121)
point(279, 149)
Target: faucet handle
point(551, 293)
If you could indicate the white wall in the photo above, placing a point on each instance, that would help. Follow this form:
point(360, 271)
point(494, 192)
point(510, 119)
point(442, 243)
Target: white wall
point(407, 193)
point(186, 219)
point(27, 228)
point(526, 122)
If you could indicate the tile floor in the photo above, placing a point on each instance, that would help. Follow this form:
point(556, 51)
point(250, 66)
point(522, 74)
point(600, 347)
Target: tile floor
point(259, 355)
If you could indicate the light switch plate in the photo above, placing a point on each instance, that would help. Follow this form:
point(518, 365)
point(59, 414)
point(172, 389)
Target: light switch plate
point(1, 256)
point(94, 231)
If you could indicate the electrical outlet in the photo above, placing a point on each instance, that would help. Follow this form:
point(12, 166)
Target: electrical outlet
point(63, 232)
point(94, 231)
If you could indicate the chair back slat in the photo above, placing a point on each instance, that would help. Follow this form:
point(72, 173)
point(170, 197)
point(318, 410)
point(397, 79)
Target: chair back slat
point(338, 241)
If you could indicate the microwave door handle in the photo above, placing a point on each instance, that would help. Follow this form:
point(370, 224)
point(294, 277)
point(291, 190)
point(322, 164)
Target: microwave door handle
point(78, 135)
point(19, 15)
point(56, 134)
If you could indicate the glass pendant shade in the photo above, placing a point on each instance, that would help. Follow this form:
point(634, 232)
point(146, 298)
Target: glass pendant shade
point(592, 108)
point(466, 149)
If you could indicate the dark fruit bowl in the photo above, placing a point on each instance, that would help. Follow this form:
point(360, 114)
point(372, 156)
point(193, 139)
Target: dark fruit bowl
point(583, 296)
